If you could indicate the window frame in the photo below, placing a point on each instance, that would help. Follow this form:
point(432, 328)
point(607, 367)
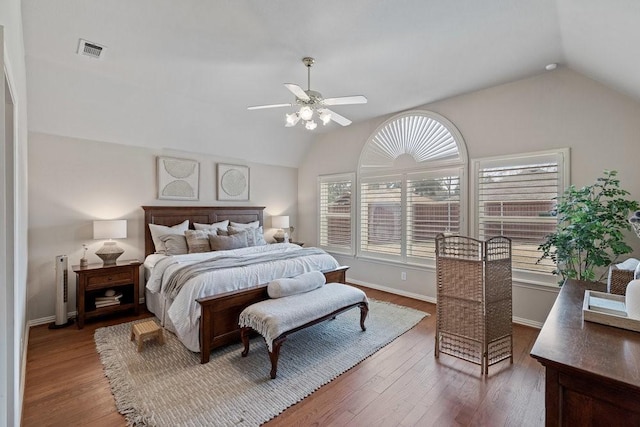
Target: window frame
point(334, 178)
point(563, 160)
point(432, 167)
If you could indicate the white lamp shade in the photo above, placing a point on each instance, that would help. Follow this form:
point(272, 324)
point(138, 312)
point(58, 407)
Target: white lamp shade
point(281, 221)
point(116, 229)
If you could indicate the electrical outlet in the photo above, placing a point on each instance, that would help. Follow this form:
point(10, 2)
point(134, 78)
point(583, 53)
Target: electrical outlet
point(403, 275)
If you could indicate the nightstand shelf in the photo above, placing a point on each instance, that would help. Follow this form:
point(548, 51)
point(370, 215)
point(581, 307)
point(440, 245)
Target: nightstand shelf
point(94, 279)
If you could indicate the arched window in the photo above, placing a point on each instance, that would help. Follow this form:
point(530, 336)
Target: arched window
point(412, 186)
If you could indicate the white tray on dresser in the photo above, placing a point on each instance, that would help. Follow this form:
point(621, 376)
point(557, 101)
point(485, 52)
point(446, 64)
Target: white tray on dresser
point(607, 309)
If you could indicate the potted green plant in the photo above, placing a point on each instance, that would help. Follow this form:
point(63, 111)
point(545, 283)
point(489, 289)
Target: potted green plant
point(589, 236)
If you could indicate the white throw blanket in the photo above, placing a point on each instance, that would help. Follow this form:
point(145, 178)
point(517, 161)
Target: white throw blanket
point(296, 285)
point(187, 272)
point(272, 318)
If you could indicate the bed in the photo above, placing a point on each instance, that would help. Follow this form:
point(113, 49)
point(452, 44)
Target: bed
point(214, 313)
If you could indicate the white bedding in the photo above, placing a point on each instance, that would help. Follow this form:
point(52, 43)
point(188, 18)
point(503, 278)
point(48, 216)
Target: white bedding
point(184, 312)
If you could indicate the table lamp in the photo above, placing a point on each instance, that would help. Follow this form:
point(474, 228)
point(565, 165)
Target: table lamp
point(280, 222)
point(116, 229)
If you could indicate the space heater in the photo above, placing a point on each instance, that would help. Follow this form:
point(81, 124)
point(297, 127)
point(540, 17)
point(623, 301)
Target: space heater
point(62, 293)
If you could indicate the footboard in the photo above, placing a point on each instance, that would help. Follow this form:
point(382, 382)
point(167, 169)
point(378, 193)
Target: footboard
point(220, 313)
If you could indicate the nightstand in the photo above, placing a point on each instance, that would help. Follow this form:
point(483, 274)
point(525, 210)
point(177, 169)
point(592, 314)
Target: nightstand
point(93, 280)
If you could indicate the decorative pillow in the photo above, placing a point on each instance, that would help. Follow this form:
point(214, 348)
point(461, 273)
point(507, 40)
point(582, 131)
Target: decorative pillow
point(223, 243)
point(296, 285)
point(197, 241)
point(255, 236)
point(254, 224)
point(259, 237)
point(215, 226)
point(161, 230)
point(175, 244)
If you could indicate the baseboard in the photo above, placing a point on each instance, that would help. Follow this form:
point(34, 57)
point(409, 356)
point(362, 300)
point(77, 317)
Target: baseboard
point(49, 319)
point(518, 320)
point(394, 291)
point(527, 322)
point(23, 369)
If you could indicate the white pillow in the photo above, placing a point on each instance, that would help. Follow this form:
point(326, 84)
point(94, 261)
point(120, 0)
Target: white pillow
point(254, 224)
point(222, 225)
point(162, 230)
point(305, 282)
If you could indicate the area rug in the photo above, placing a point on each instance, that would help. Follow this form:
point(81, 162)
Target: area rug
point(167, 386)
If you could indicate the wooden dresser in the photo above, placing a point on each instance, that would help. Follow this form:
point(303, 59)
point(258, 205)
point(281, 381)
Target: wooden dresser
point(592, 371)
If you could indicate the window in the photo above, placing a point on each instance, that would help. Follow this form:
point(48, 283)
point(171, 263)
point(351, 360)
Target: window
point(336, 212)
point(410, 187)
point(433, 207)
point(381, 216)
point(515, 196)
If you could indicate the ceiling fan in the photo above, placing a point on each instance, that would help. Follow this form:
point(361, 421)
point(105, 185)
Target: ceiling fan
point(311, 102)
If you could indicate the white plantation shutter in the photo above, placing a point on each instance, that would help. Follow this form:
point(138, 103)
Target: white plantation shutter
point(336, 208)
point(401, 215)
point(381, 216)
point(515, 196)
point(433, 207)
point(410, 187)
point(418, 134)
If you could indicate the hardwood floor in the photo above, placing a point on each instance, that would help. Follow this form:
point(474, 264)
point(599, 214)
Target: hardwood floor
point(400, 385)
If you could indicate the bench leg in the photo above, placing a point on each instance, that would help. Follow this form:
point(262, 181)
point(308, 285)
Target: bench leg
point(364, 310)
point(244, 334)
point(274, 354)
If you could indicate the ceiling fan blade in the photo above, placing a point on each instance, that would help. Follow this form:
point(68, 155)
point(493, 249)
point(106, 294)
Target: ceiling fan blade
point(345, 100)
point(341, 120)
point(297, 91)
point(262, 107)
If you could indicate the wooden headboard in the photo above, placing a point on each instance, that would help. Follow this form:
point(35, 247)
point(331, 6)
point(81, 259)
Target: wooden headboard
point(172, 215)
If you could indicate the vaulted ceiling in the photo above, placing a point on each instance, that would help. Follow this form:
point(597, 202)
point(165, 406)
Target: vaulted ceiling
point(180, 74)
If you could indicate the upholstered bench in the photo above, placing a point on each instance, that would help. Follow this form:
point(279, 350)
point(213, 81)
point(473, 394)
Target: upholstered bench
point(277, 318)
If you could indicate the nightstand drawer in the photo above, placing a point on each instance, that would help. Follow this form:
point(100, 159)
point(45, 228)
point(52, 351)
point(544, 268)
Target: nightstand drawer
point(102, 280)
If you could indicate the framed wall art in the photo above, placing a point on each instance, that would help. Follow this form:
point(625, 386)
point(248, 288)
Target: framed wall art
point(233, 182)
point(178, 179)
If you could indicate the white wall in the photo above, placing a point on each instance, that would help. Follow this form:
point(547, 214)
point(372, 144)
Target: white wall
point(13, 351)
point(72, 182)
point(552, 110)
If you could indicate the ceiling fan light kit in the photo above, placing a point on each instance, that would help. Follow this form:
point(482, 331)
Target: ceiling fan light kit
point(312, 103)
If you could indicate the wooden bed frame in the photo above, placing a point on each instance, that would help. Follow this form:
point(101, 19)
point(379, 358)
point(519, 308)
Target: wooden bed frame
point(220, 313)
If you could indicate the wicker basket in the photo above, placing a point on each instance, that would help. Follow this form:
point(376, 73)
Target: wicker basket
point(473, 312)
point(618, 280)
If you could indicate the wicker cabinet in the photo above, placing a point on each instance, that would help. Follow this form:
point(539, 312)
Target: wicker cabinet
point(474, 307)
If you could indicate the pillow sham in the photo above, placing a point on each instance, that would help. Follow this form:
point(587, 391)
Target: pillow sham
point(223, 243)
point(259, 237)
point(197, 241)
point(222, 225)
point(254, 224)
point(255, 236)
point(161, 230)
point(305, 282)
point(175, 244)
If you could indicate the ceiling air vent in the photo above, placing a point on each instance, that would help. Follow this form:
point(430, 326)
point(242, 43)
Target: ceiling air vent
point(90, 49)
